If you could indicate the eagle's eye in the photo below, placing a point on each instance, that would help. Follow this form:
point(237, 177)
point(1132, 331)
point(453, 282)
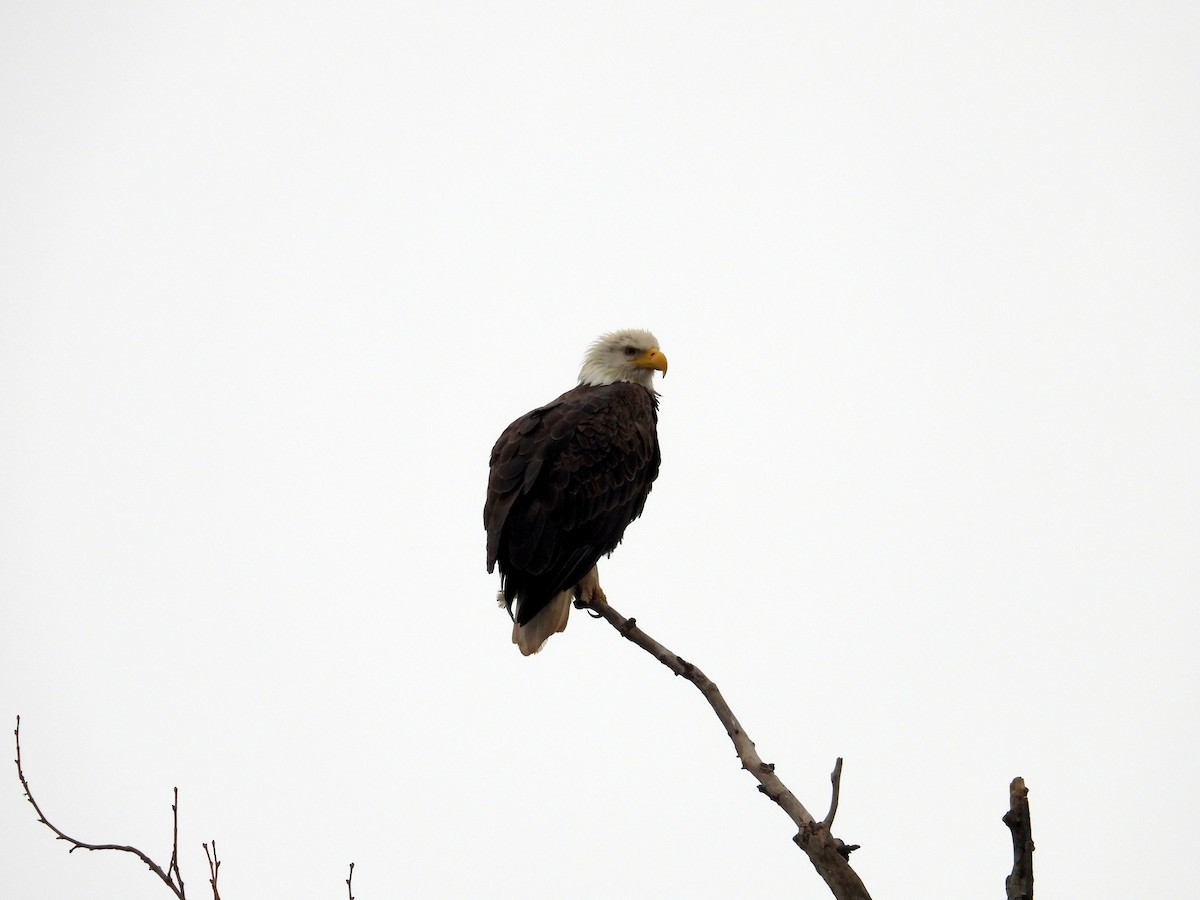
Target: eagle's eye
point(630, 351)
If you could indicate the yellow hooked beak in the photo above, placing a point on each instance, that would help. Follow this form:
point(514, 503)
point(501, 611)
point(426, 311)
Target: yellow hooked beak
point(653, 359)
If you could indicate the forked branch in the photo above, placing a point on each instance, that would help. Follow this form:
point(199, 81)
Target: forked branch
point(171, 877)
point(829, 856)
point(214, 869)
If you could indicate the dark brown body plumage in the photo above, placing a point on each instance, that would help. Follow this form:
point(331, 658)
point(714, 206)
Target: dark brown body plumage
point(566, 479)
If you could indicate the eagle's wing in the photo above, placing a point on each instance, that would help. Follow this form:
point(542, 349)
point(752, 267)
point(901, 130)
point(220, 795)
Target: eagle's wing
point(566, 480)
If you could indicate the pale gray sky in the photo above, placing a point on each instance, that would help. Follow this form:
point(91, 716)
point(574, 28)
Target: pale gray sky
point(273, 278)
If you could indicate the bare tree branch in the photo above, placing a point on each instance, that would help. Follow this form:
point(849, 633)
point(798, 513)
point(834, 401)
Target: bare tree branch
point(214, 869)
point(836, 779)
point(1019, 885)
point(176, 887)
point(829, 856)
point(349, 885)
point(173, 868)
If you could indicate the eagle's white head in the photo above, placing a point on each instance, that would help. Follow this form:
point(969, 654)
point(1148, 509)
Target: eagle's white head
point(630, 355)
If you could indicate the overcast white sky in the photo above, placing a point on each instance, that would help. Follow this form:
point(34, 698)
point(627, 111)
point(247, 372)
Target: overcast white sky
point(274, 276)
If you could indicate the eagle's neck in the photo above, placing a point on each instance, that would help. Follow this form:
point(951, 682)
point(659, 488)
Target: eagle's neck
point(597, 374)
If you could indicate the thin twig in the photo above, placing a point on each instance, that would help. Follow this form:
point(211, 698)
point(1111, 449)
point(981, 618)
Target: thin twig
point(176, 889)
point(827, 854)
point(836, 778)
point(214, 869)
point(349, 886)
point(173, 868)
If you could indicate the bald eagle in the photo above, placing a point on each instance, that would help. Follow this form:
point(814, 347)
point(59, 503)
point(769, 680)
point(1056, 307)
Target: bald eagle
point(567, 479)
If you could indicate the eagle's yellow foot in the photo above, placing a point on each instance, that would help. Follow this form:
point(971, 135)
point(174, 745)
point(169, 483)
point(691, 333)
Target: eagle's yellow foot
point(596, 594)
point(588, 591)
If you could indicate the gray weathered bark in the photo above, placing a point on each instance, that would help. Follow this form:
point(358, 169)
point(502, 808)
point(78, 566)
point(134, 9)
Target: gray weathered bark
point(829, 855)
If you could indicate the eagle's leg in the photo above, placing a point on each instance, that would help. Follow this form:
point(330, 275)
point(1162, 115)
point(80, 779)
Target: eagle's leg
point(588, 590)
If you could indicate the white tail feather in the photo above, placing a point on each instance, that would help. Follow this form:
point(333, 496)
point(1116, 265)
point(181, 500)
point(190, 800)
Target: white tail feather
point(551, 619)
